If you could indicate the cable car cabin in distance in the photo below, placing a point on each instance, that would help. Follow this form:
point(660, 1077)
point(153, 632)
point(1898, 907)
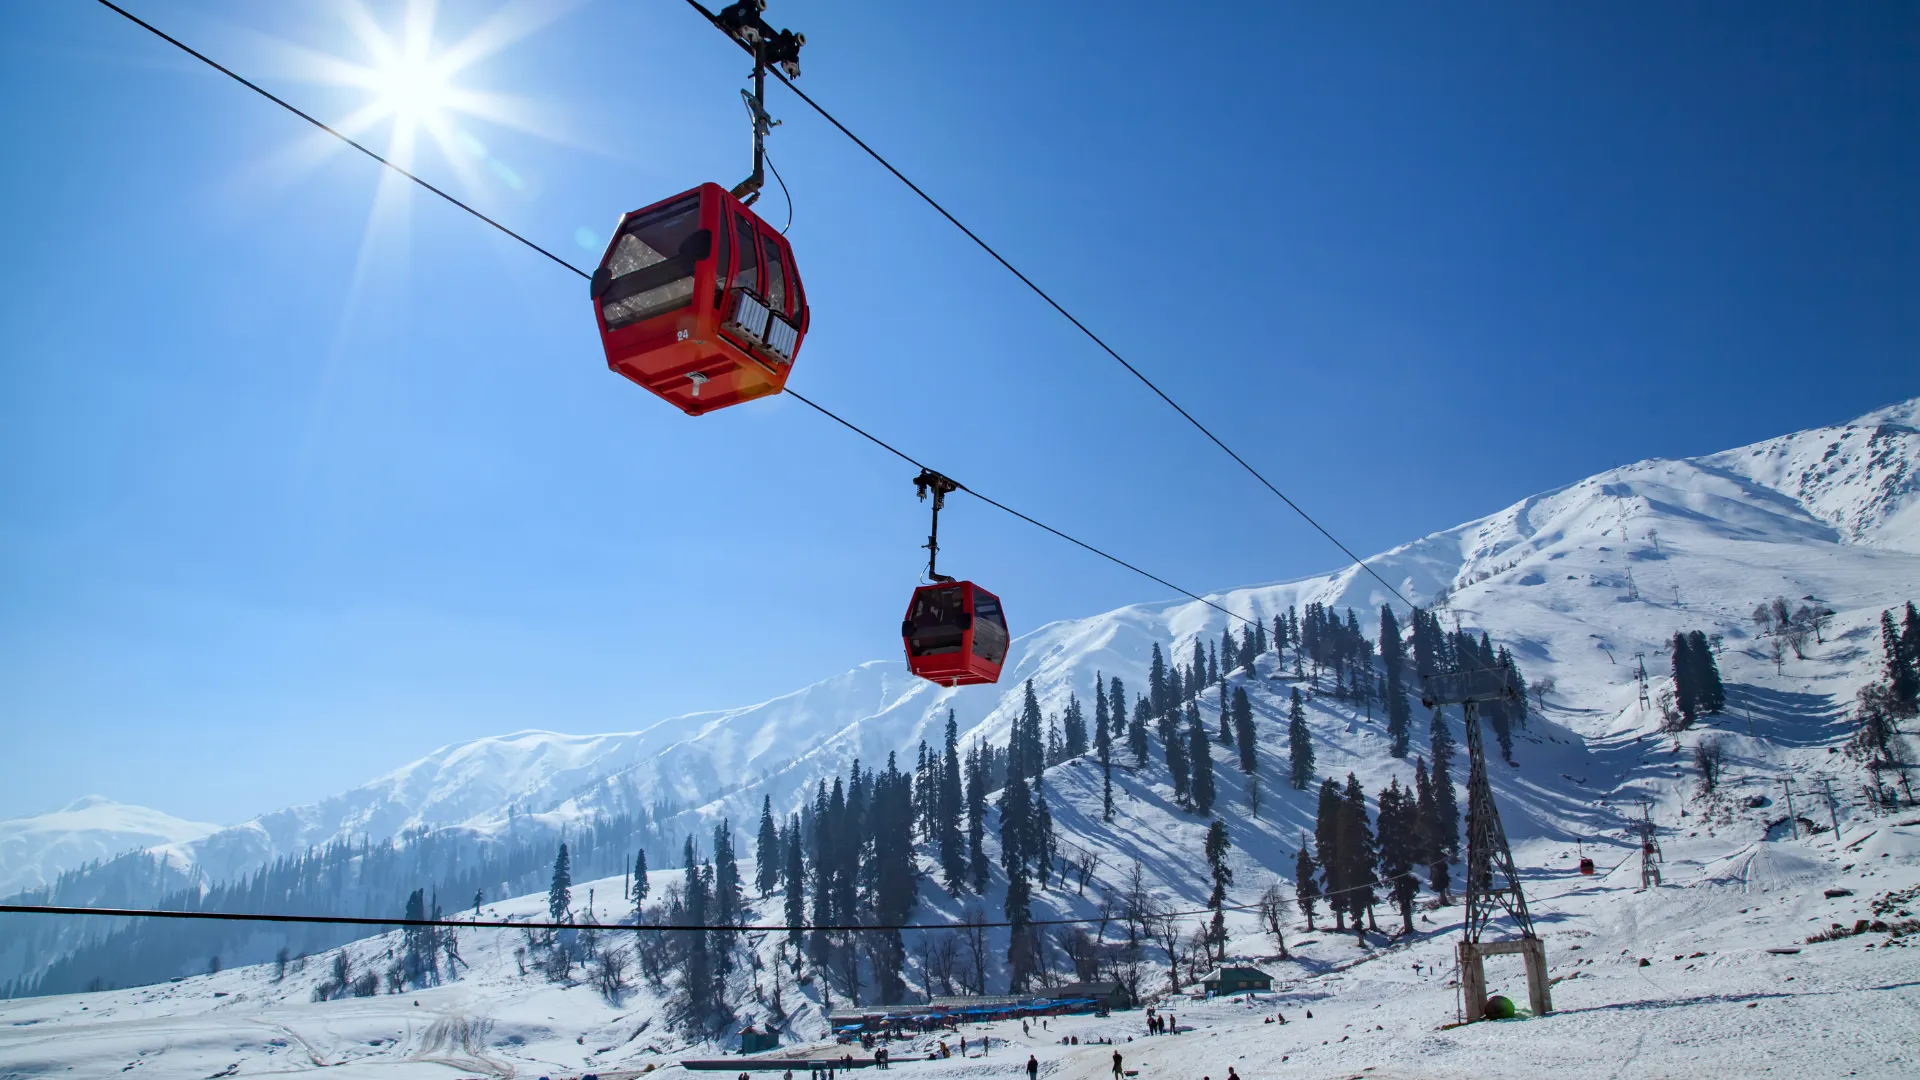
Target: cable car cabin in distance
point(699, 301)
point(955, 633)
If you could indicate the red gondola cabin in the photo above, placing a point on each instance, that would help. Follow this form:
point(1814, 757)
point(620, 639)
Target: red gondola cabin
point(955, 633)
point(699, 301)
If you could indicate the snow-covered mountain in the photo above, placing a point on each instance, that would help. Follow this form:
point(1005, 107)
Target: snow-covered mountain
point(33, 850)
point(1577, 581)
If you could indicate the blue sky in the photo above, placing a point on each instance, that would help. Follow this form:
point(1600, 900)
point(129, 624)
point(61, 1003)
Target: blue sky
point(301, 476)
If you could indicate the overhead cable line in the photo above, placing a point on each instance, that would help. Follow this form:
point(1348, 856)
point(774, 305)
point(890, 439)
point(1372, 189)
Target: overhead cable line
point(309, 118)
point(512, 924)
point(1064, 313)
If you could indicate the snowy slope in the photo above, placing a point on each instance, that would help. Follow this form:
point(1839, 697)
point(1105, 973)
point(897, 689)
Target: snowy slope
point(1828, 512)
point(34, 850)
point(1703, 540)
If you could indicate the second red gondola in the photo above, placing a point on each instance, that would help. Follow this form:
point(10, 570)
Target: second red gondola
point(955, 633)
point(699, 301)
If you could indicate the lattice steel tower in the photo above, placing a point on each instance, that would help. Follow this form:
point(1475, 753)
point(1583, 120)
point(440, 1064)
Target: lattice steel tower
point(1493, 883)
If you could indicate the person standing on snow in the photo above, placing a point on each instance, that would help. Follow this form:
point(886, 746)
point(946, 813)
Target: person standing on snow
point(1116, 1065)
point(1033, 1067)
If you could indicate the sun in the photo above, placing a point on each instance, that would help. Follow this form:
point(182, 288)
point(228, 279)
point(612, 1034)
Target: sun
point(417, 82)
point(413, 90)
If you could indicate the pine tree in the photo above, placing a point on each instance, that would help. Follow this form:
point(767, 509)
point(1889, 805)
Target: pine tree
point(1216, 850)
point(1179, 764)
point(1306, 891)
point(1103, 746)
point(726, 877)
point(1259, 639)
point(1686, 689)
point(641, 887)
point(1392, 657)
point(560, 892)
point(1229, 652)
point(1445, 825)
point(1358, 847)
point(1199, 665)
point(894, 876)
point(1226, 717)
point(1137, 732)
point(1299, 743)
point(1040, 841)
point(1399, 849)
point(1903, 677)
point(1199, 762)
point(1157, 681)
point(1213, 663)
point(766, 851)
point(1026, 749)
point(1075, 728)
point(796, 884)
point(697, 980)
point(1243, 728)
point(1327, 835)
point(1117, 707)
point(953, 857)
point(1713, 693)
point(977, 863)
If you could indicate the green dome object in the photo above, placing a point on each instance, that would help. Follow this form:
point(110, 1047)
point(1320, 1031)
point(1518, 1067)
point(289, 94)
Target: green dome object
point(1499, 1007)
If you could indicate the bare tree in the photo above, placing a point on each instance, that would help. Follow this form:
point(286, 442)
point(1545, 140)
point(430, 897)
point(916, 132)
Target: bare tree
point(1125, 967)
point(1874, 730)
point(1671, 718)
point(1198, 954)
point(974, 936)
point(1082, 952)
point(1798, 629)
point(1542, 686)
point(1164, 929)
point(1273, 910)
point(1822, 617)
point(1135, 902)
point(610, 973)
point(1777, 652)
point(1710, 757)
point(1253, 795)
point(941, 961)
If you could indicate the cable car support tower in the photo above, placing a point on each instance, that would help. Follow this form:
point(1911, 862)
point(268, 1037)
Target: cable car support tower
point(1493, 883)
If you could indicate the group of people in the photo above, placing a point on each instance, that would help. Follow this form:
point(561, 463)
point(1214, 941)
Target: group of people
point(1158, 1024)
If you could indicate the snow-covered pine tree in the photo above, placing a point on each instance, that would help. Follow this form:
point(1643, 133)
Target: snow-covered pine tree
point(1359, 848)
point(1445, 825)
point(952, 847)
point(796, 877)
point(1137, 732)
point(1199, 762)
point(1216, 850)
point(560, 892)
point(1299, 743)
point(1327, 835)
point(1392, 657)
point(1306, 890)
point(1243, 729)
point(766, 851)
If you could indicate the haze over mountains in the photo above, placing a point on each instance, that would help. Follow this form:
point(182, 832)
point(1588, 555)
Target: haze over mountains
point(1831, 512)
